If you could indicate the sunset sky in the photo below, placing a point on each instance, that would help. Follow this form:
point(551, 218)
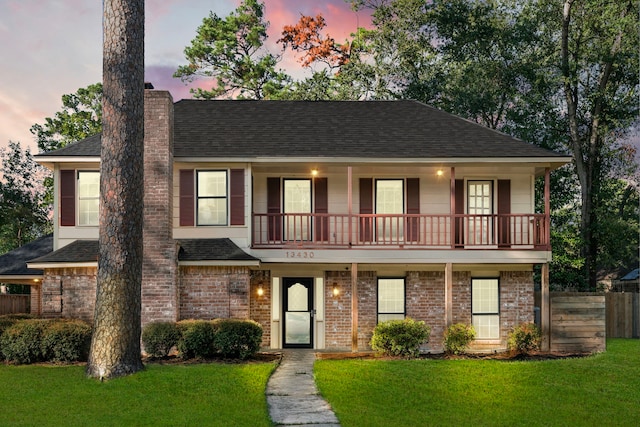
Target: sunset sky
point(51, 48)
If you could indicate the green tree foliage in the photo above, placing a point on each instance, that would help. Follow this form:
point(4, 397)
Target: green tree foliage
point(22, 199)
point(232, 51)
point(80, 117)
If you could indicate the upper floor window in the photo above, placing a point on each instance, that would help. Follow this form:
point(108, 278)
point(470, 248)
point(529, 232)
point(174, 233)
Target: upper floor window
point(391, 295)
point(297, 200)
point(88, 197)
point(212, 197)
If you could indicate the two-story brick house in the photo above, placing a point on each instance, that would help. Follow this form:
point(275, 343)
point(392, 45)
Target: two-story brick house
point(316, 219)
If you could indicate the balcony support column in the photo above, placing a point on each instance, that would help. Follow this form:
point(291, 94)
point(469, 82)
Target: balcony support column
point(545, 309)
point(350, 202)
point(452, 184)
point(448, 294)
point(354, 307)
point(547, 208)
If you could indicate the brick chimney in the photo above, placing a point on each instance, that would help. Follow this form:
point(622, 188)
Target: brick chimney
point(159, 268)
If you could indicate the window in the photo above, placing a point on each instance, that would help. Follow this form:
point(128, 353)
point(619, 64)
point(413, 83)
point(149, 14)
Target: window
point(390, 299)
point(485, 307)
point(212, 197)
point(480, 202)
point(88, 197)
point(297, 200)
point(389, 200)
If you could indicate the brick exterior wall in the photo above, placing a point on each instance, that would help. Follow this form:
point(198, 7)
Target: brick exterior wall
point(461, 297)
point(260, 309)
point(69, 292)
point(516, 300)
point(159, 269)
point(337, 312)
point(425, 301)
point(214, 292)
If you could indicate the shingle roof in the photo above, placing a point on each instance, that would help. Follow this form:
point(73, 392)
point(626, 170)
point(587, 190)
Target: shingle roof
point(327, 129)
point(190, 250)
point(76, 251)
point(211, 250)
point(14, 263)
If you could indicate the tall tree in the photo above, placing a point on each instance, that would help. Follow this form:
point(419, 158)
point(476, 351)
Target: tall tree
point(80, 117)
point(599, 72)
point(24, 212)
point(115, 345)
point(232, 51)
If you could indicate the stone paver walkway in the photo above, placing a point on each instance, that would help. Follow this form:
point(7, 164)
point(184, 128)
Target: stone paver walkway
point(292, 395)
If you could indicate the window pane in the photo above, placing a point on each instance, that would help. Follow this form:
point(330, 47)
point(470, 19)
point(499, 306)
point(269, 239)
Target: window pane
point(297, 196)
point(88, 212)
point(212, 211)
point(487, 326)
point(484, 296)
point(212, 184)
point(389, 196)
point(391, 296)
point(385, 317)
point(88, 197)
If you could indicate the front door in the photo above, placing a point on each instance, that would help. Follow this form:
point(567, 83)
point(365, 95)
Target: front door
point(298, 312)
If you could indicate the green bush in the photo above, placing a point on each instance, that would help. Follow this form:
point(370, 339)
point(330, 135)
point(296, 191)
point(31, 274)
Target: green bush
point(21, 342)
point(196, 339)
point(66, 340)
point(236, 338)
point(400, 337)
point(524, 338)
point(159, 338)
point(457, 338)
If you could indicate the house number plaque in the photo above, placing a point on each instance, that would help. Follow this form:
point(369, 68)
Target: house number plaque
point(300, 254)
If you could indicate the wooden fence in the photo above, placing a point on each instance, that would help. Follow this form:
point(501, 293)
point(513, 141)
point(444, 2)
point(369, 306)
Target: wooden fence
point(10, 304)
point(578, 321)
point(623, 314)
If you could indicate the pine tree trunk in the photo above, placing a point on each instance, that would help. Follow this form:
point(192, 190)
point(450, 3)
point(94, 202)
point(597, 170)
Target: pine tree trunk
point(115, 346)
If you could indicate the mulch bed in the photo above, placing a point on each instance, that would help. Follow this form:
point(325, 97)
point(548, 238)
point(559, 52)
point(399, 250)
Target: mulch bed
point(505, 356)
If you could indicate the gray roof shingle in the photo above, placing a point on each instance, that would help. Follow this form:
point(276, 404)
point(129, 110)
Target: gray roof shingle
point(190, 250)
point(327, 129)
point(14, 263)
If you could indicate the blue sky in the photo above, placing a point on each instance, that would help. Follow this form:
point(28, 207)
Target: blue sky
point(50, 48)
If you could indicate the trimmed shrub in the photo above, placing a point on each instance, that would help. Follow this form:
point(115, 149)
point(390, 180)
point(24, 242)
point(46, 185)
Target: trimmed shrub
point(236, 338)
point(400, 337)
point(159, 338)
point(66, 340)
point(457, 338)
point(21, 342)
point(524, 338)
point(196, 339)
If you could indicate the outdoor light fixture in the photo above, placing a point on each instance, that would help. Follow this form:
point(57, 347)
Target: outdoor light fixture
point(314, 172)
point(336, 290)
point(260, 291)
point(439, 172)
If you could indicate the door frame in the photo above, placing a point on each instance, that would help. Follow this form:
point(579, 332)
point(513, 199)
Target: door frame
point(309, 283)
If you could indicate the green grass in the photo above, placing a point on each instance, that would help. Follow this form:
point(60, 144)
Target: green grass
point(161, 395)
point(600, 390)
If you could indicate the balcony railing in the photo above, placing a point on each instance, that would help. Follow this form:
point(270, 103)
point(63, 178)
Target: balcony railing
point(312, 230)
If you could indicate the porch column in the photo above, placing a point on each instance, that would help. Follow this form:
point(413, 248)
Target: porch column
point(545, 309)
point(547, 208)
point(350, 201)
point(452, 196)
point(448, 293)
point(354, 307)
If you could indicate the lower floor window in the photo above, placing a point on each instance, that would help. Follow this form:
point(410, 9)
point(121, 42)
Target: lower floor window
point(485, 307)
point(391, 304)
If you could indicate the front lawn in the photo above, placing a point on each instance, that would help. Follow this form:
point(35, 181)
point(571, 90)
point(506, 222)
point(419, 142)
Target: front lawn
point(599, 390)
point(162, 395)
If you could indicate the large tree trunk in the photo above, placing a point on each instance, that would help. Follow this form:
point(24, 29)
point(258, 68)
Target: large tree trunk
point(115, 346)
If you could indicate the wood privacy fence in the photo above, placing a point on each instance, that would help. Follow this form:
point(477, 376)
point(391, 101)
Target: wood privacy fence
point(10, 304)
point(578, 321)
point(623, 314)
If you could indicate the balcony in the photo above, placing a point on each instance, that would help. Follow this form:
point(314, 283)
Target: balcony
point(420, 231)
